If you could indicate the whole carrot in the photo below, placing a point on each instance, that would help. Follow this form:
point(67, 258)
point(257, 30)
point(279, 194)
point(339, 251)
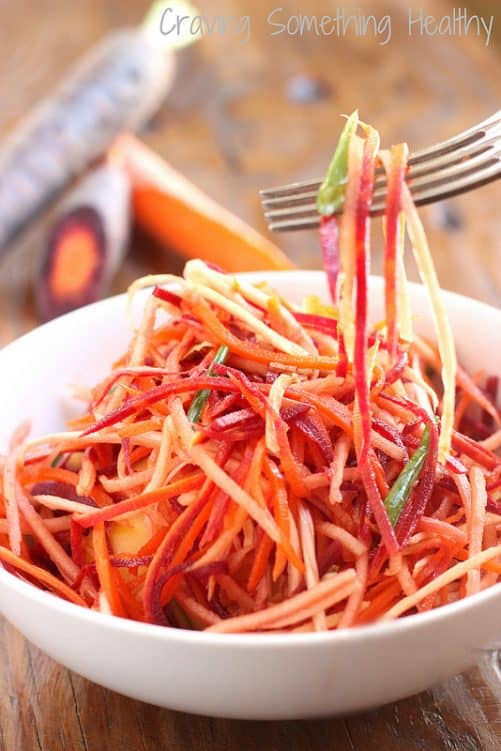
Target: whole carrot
point(116, 86)
point(180, 216)
point(86, 242)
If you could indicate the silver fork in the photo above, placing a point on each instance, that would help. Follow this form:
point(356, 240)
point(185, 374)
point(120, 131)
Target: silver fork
point(464, 162)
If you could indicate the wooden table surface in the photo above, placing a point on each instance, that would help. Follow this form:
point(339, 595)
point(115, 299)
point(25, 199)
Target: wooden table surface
point(233, 124)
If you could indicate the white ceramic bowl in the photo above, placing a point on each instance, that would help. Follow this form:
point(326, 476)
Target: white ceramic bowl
point(243, 676)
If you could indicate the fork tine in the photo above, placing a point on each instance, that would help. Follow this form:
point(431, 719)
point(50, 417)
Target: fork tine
point(446, 160)
point(284, 202)
point(460, 169)
point(489, 172)
point(467, 137)
point(442, 161)
point(293, 225)
point(481, 169)
point(306, 188)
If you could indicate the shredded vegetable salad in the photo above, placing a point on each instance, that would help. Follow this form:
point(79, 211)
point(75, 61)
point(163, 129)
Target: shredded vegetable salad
point(251, 464)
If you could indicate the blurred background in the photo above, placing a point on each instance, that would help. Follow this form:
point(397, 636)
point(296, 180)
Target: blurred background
point(245, 116)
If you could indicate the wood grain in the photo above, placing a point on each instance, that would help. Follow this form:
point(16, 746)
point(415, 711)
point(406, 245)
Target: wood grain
point(232, 127)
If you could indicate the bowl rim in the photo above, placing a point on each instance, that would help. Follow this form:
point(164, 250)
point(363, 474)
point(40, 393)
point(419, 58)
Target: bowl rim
point(371, 631)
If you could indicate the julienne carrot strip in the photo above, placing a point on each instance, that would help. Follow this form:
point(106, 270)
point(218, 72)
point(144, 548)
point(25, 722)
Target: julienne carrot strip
point(477, 525)
point(379, 477)
point(153, 543)
point(254, 352)
point(443, 329)
point(9, 490)
point(137, 372)
point(329, 243)
point(391, 433)
point(294, 610)
point(279, 495)
point(379, 604)
point(249, 390)
point(307, 539)
point(490, 566)
point(163, 557)
point(41, 575)
point(475, 451)
point(342, 365)
point(260, 562)
point(461, 408)
point(76, 543)
point(397, 369)
point(57, 474)
point(67, 568)
point(396, 167)
point(107, 575)
point(220, 478)
point(463, 380)
point(234, 592)
point(291, 468)
point(131, 604)
point(362, 160)
point(136, 503)
point(141, 401)
point(328, 407)
point(222, 499)
point(452, 574)
point(196, 527)
point(40, 474)
point(307, 493)
point(356, 597)
point(182, 551)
